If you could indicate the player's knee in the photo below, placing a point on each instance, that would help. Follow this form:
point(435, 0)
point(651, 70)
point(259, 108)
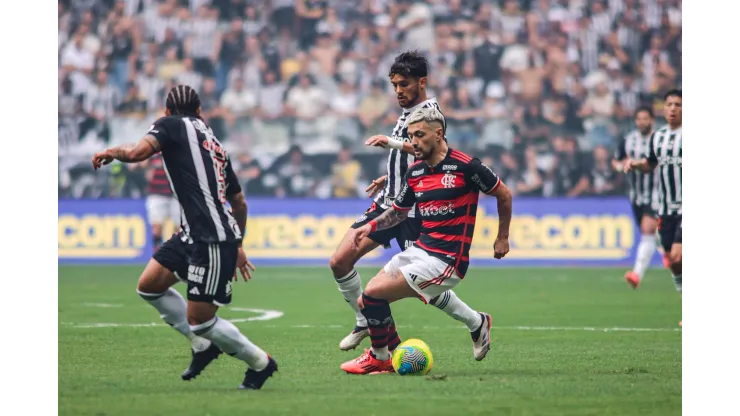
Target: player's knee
point(151, 285)
point(340, 264)
point(200, 312)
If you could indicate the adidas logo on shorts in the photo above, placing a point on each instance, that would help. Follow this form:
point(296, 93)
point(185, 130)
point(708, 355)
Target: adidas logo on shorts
point(194, 291)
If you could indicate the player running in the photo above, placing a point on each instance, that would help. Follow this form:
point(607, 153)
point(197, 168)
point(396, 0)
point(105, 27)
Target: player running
point(445, 186)
point(643, 193)
point(408, 75)
point(208, 249)
point(665, 154)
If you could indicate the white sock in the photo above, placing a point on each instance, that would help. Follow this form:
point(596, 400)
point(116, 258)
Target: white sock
point(381, 353)
point(228, 338)
point(645, 252)
point(450, 304)
point(677, 282)
point(351, 288)
point(172, 309)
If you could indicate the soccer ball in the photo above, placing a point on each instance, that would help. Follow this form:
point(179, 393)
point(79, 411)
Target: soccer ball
point(413, 356)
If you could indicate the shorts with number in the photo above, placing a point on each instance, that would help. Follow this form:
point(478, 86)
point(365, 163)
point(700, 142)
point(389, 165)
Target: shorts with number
point(174, 255)
point(427, 275)
point(161, 207)
point(670, 230)
point(640, 211)
point(211, 268)
point(405, 233)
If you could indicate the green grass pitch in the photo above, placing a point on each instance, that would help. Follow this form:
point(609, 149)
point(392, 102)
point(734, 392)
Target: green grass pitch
point(551, 354)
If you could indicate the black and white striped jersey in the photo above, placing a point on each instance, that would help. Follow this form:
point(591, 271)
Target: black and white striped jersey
point(666, 155)
point(643, 187)
point(398, 161)
point(201, 178)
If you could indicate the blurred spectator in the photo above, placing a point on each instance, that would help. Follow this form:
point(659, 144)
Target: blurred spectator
point(345, 175)
point(604, 180)
point(547, 82)
point(292, 176)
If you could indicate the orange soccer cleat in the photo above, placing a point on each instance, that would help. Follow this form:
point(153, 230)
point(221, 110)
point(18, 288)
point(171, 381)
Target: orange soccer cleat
point(367, 364)
point(632, 279)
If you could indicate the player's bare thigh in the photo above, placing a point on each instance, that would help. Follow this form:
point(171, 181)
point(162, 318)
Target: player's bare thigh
point(345, 257)
point(390, 286)
point(155, 278)
point(648, 225)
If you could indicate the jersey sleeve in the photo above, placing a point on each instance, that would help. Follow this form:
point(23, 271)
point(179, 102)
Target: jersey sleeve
point(621, 152)
point(162, 130)
point(405, 199)
point(232, 182)
point(482, 177)
point(652, 157)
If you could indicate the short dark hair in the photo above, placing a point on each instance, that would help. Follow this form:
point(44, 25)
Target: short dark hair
point(673, 93)
point(411, 64)
point(183, 100)
point(646, 109)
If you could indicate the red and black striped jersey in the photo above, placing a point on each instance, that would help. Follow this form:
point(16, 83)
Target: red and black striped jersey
point(158, 184)
point(447, 199)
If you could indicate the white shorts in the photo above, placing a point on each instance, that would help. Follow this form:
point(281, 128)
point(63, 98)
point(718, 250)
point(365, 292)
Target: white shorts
point(427, 275)
point(161, 207)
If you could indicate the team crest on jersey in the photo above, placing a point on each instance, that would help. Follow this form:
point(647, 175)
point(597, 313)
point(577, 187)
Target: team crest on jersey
point(448, 180)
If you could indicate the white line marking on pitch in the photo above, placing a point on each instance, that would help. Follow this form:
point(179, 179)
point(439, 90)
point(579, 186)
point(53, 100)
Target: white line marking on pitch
point(103, 305)
point(264, 315)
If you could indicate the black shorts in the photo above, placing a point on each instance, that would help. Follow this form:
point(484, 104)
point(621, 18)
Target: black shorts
point(640, 211)
point(207, 268)
point(405, 233)
point(669, 227)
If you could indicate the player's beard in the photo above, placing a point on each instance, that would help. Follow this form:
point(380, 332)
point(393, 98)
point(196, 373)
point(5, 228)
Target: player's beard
point(423, 154)
point(412, 100)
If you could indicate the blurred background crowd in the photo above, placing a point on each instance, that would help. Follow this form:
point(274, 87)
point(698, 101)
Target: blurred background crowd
point(541, 90)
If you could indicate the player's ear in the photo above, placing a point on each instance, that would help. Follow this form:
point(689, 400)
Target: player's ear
point(423, 82)
point(197, 111)
point(167, 112)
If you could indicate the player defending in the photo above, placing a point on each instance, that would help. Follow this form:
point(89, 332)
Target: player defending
point(643, 193)
point(445, 185)
point(408, 75)
point(666, 155)
point(208, 249)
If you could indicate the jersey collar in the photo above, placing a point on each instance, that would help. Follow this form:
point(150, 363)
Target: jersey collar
point(417, 106)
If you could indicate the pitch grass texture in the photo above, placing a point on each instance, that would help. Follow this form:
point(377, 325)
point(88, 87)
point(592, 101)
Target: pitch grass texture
point(554, 366)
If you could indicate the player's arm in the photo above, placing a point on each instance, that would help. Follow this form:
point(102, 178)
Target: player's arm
point(489, 183)
point(154, 141)
point(128, 153)
point(380, 140)
point(646, 164)
point(620, 156)
point(236, 199)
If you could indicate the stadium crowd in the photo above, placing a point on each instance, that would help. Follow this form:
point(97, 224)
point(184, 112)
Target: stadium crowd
point(539, 89)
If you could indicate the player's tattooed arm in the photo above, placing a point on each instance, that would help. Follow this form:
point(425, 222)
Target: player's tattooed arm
point(128, 153)
point(390, 218)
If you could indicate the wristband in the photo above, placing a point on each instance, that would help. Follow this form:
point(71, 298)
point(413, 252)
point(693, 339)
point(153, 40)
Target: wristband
point(373, 226)
point(395, 144)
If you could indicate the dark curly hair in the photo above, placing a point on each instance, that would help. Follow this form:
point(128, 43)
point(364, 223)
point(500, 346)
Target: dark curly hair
point(410, 64)
point(183, 100)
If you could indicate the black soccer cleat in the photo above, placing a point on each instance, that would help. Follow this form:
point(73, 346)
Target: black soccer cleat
point(253, 380)
point(200, 361)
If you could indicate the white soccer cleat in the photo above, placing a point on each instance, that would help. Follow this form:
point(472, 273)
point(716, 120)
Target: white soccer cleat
point(482, 345)
point(354, 338)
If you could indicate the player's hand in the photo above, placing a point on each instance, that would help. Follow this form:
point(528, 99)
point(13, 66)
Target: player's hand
point(360, 233)
point(101, 159)
point(378, 140)
point(243, 265)
point(376, 186)
point(500, 247)
point(630, 165)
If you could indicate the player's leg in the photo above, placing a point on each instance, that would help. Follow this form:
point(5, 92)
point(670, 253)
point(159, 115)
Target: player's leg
point(387, 286)
point(670, 232)
point(211, 270)
point(676, 255)
point(646, 248)
point(157, 210)
point(348, 280)
point(478, 323)
point(155, 287)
